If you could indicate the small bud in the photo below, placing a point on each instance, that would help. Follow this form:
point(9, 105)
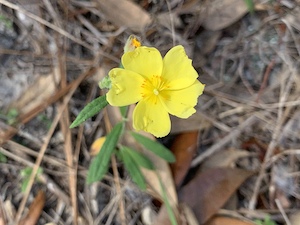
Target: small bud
point(132, 43)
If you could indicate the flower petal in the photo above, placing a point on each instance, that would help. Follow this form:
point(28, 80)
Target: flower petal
point(143, 60)
point(178, 69)
point(181, 103)
point(125, 87)
point(152, 118)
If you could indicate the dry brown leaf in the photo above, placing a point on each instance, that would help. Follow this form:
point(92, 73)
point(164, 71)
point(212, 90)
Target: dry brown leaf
point(221, 220)
point(125, 13)
point(295, 218)
point(223, 13)
point(210, 190)
point(35, 210)
point(36, 94)
point(225, 158)
point(184, 148)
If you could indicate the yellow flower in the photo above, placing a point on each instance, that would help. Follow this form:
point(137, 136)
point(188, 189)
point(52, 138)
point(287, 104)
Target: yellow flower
point(159, 87)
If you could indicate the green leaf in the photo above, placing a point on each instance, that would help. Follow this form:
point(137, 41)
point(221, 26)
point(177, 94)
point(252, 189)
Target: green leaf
point(139, 158)
point(170, 212)
point(26, 173)
point(250, 5)
point(3, 158)
point(123, 111)
point(99, 165)
point(155, 147)
point(133, 169)
point(90, 110)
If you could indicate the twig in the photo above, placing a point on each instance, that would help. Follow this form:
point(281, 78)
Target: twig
point(265, 79)
point(38, 162)
point(286, 219)
point(46, 23)
point(216, 147)
point(172, 21)
point(273, 143)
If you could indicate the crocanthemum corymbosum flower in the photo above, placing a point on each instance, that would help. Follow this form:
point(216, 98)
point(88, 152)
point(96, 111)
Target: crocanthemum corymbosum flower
point(159, 86)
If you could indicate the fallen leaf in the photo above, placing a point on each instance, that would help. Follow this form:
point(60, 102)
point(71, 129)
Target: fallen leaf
point(184, 148)
point(35, 210)
point(222, 220)
point(43, 88)
point(125, 13)
point(210, 190)
point(295, 218)
point(223, 13)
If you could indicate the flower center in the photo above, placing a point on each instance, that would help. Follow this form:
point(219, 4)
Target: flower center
point(152, 88)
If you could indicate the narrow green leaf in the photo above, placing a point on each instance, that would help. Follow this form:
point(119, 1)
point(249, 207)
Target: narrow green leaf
point(99, 164)
point(123, 111)
point(155, 147)
point(90, 110)
point(250, 5)
point(139, 158)
point(133, 169)
point(170, 212)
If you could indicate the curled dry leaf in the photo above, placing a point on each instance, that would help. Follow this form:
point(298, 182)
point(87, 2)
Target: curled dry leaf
point(210, 190)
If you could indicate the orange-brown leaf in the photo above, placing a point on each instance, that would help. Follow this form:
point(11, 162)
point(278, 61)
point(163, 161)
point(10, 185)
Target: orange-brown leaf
point(35, 210)
point(184, 148)
point(221, 220)
point(210, 190)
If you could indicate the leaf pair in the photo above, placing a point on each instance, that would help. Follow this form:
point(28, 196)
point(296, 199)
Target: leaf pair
point(100, 163)
point(133, 161)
